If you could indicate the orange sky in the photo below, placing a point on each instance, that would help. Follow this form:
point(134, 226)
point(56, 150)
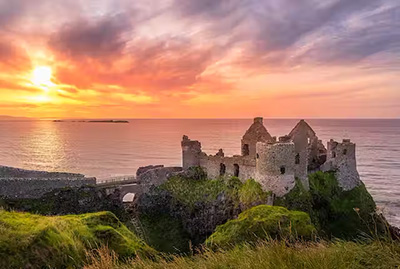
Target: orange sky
point(199, 59)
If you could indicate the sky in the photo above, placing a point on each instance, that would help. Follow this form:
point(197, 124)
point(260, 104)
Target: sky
point(200, 59)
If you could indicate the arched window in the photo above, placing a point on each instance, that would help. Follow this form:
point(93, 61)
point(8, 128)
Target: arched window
point(245, 150)
point(128, 198)
point(283, 170)
point(345, 152)
point(236, 170)
point(333, 154)
point(222, 169)
point(297, 158)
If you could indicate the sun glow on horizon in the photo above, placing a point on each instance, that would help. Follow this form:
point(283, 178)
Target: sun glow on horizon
point(41, 76)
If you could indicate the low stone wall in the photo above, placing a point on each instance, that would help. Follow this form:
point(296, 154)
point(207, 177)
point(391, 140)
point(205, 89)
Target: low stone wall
point(36, 187)
point(20, 183)
point(11, 172)
point(155, 175)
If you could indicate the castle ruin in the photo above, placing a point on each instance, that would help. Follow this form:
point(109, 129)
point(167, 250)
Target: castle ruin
point(277, 163)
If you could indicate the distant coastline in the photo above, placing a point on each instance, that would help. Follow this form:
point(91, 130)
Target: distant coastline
point(94, 121)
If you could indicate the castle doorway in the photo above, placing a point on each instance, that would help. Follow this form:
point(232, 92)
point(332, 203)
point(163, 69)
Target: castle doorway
point(245, 150)
point(236, 170)
point(222, 169)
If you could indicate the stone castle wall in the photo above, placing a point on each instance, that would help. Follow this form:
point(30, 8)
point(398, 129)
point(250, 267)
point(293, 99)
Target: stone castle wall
point(36, 187)
point(20, 183)
point(275, 167)
point(341, 158)
point(246, 166)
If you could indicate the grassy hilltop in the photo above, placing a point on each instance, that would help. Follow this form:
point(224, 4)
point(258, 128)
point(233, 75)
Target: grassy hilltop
point(28, 240)
point(195, 222)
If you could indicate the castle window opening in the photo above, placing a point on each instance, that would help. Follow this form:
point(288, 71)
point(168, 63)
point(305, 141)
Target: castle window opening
point(333, 154)
point(128, 198)
point(245, 150)
point(258, 156)
point(236, 170)
point(283, 170)
point(222, 169)
point(345, 152)
point(297, 158)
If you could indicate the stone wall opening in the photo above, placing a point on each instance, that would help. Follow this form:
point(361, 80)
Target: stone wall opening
point(283, 170)
point(297, 158)
point(245, 150)
point(128, 198)
point(345, 152)
point(236, 170)
point(222, 169)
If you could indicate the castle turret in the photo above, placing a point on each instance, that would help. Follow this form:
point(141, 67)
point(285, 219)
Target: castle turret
point(341, 158)
point(256, 133)
point(275, 166)
point(191, 152)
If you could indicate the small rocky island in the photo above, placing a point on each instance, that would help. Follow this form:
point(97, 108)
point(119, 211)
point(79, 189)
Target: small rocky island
point(289, 195)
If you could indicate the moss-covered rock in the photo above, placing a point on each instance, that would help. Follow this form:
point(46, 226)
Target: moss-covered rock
point(262, 222)
point(297, 199)
point(251, 194)
point(339, 213)
point(34, 241)
point(201, 204)
point(335, 212)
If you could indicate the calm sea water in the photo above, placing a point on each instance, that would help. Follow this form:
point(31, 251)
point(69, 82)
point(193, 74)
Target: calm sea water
point(106, 150)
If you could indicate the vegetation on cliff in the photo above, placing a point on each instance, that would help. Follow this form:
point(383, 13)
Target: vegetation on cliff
point(34, 241)
point(260, 223)
point(335, 212)
point(198, 205)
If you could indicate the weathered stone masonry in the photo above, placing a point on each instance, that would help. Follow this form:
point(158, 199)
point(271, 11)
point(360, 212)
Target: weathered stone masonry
point(275, 164)
point(20, 183)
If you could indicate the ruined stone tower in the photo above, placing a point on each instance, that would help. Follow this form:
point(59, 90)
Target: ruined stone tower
point(191, 152)
point(275, 166)
point(256, 133)
point(341, 158)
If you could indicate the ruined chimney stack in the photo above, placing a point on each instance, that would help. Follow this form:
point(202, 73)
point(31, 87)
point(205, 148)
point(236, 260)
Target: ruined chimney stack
point(258, 120)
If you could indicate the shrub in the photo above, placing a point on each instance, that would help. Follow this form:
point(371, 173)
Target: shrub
point(262, 222)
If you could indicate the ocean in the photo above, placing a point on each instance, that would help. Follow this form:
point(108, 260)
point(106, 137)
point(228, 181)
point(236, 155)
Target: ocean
point(105, 150)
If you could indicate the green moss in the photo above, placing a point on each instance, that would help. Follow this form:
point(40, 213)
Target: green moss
point(251, 193)
point(164, 233)
point(297, 199)
point(339, 213)
point(28, 240)
point(188, 191)
point(262, 222)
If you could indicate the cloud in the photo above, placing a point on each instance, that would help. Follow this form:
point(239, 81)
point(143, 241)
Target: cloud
point(371, 34)
point(100, 39)
point(12, 57)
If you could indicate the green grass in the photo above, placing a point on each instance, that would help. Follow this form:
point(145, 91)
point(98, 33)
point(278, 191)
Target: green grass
point(28, 240)
point(189, 191)
point(262, 222)
point(273, 254)
point(251, 193)
point(164, 233)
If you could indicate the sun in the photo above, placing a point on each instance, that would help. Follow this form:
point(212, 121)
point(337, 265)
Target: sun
point(41, 76)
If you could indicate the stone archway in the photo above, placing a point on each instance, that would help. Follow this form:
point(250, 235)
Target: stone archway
point(129, 197)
